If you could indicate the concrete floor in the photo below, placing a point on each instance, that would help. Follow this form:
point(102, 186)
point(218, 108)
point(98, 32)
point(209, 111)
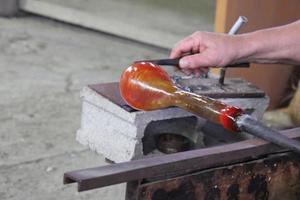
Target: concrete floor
point(43, 66)
point(157, 22)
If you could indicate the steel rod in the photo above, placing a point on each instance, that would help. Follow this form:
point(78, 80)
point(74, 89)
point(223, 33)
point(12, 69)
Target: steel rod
point(250, 125)
point(234, 29)
point(175, 62)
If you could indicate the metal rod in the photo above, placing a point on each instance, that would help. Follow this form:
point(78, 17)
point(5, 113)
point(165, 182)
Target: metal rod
point(175, 62)
point(234, 29)
point(237, 25)
point(252, 126)
point(173, 164)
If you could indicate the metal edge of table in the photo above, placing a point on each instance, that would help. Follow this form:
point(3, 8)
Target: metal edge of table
point(173, 164)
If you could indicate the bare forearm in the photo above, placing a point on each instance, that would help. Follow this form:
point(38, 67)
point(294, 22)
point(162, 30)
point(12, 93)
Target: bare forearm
point(274, 45)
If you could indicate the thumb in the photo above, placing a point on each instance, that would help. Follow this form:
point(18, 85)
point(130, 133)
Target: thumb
point(194, 61)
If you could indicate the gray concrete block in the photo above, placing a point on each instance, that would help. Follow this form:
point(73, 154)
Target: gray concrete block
point(113, 132)
point(118, 134)
point(9, 8)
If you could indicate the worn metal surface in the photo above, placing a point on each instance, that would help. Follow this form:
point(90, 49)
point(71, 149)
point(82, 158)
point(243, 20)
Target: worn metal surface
point(166, 166)
point(276, 177)
point(233, 88)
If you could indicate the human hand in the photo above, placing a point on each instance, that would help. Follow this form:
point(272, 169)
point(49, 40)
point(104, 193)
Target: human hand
point(206, 50)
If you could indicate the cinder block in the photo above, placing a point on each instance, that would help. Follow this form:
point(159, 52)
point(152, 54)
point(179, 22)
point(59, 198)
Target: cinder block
point(118, 134)
point(9, 8)
point(112, 131)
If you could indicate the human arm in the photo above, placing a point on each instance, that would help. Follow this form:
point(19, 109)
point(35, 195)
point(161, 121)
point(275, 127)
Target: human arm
point(274, 45)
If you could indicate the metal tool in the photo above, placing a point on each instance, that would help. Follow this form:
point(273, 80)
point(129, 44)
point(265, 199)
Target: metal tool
point(175, 62)
point(234, 29)
point(252, 126)
point(171, 62)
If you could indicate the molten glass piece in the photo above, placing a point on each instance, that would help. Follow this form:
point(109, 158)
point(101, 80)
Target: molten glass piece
point(146, 86)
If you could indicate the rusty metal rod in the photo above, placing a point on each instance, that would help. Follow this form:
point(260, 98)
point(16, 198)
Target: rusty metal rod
point(173, 164)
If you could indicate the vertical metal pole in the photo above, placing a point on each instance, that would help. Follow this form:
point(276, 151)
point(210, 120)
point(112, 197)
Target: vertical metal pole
point(234, 29)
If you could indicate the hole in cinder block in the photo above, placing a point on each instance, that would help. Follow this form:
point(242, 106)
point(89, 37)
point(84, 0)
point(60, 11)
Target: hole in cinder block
point(170, 135)
point(172, 143)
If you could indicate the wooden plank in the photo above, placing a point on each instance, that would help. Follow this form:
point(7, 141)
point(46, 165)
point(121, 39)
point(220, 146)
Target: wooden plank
point(173, 164)
point(220, 16)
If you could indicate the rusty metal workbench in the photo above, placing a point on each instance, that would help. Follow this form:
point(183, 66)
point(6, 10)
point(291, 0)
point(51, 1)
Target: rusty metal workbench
point(250, 169)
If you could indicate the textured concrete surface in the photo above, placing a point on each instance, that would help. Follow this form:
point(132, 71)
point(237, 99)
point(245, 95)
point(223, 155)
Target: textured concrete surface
point(9, 7)
point(43, 66)
point(112, 131)
point(157, 22)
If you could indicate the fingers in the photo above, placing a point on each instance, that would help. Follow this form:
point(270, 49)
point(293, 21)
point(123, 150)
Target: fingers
point(182, 47)
point(198, 72)
point(194, 61)
point(197, 53)
point(187, 71)
point(204, 70)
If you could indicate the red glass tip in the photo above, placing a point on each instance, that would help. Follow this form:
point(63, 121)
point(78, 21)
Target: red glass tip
point(228, 117)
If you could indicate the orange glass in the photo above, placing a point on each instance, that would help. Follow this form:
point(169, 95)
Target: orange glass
point(146, 86)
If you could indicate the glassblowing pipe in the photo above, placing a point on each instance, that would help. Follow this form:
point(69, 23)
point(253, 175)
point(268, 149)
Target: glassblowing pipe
point(252, 126)
point(146, 86)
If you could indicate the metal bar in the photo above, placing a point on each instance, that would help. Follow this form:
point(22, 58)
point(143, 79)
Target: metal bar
point(237, 25)
point(252, 126)
point(175, 62)
point(234, 29)
point(173, 164)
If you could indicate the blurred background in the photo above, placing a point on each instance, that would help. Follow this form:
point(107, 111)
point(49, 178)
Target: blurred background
point(50, 49)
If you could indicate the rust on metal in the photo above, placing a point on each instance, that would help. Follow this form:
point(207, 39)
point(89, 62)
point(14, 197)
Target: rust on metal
point(111, 92)
point(276, 177)
point(166, 166)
